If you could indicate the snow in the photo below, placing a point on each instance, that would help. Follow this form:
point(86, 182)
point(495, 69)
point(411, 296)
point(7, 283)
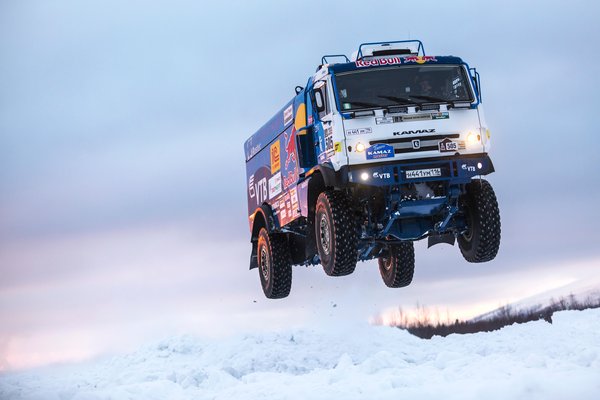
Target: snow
point(530, 361)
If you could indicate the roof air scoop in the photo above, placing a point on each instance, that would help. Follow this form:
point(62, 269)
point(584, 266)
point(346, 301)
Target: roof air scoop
point(386, 49)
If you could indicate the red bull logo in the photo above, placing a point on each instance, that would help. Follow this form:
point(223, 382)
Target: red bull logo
point(290, 149)
point(378, 62)
point(419, 59)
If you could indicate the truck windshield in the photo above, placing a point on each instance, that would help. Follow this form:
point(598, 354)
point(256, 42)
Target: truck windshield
point(384, 87)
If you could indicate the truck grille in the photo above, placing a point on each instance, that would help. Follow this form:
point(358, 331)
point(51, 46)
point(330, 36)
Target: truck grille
point(426, 143)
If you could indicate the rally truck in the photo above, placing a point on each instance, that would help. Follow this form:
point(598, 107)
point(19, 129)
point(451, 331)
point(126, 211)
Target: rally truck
point(375, 152)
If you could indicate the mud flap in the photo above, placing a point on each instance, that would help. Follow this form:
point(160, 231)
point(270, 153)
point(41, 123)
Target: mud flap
point(443, 238)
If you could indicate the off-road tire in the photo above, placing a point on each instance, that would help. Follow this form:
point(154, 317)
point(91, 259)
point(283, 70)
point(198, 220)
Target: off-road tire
point(482, 240)
point(336, 233)
point(398, 265)
point(274, 264)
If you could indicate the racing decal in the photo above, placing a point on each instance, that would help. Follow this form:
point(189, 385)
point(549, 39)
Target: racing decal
point(337, 147)
point(419, 59)
point(469, 168)
point(290, 149)
point(382, 175)
point(251, 189)
point(282, 212)
point(289, 180)
point(441, 115)
point(288, 115)
point(275, 157)
point(294, 201)
point(379, 150)
point(300, 119)
point(258, 190)
point(274, 185)
point(414, 117)
point(387, 120)
point(329, 150)
point(290, 166)
point(378, 62)
point(448, 145)
point(358, 131)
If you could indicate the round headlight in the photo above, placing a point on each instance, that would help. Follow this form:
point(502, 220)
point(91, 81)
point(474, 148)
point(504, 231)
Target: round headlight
point(472, 138)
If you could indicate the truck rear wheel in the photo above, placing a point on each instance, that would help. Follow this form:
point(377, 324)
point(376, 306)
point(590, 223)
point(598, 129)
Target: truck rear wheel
point(274, 265)
point(398, 265)
point(335, 233)
point(481, 241)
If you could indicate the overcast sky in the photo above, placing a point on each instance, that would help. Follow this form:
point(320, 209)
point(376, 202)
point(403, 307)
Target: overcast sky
point(122, 176)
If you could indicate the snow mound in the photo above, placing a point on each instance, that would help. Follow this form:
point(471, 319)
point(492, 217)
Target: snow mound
point(530, 361)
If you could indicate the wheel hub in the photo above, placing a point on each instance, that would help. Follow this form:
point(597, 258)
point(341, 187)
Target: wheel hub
point(264, 263)
point(325, 234)
point(387, 263)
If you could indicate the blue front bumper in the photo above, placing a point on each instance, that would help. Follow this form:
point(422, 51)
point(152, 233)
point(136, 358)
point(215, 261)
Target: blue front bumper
point(456, 170)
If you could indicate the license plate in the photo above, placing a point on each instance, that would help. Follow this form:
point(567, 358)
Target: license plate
point(423, 173)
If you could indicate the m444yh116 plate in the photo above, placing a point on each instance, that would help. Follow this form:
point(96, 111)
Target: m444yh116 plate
point(423, 173)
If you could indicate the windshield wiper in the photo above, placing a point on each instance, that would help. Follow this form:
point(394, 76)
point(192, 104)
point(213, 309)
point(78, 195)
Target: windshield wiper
point(431, 98)
point(398, 100)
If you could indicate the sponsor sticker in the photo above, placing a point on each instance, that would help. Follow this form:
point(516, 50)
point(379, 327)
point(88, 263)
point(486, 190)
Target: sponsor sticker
point(385, 120)
point(294, 201)
point(275, 157)
point(337, 146)
point(415, 117)
point(251, 190)
point(329, 149)
point(470, 168)
point(274, 185)
point(253, 151)
point(447, 146)
point(419, 59)
point(359, 131)
point(259, 191)
point(378, 62)
point(289, 180)
point(382, 175)
point(423, 173)
point(288, 114)
point(379, 150)
point(290, 149)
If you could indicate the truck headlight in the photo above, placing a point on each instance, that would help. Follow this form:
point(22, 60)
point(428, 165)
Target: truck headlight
point(360, 147)
point(473, 139)
point(364, 176)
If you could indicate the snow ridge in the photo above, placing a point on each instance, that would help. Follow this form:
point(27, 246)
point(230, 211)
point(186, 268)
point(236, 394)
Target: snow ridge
point(530, 361)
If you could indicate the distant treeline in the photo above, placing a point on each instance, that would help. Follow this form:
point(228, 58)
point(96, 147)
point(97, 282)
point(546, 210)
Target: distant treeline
point(427, 324)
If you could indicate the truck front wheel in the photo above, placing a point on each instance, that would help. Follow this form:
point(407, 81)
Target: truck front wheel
point(481, 241)
point(274, 265)
point(398, 265)
point(335, 233)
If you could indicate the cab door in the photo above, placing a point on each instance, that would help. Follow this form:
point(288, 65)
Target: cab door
point(330, 126)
